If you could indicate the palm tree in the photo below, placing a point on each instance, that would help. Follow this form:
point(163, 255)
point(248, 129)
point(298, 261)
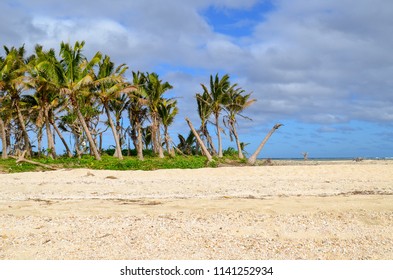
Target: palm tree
point(137, 112)
point(204, 112)
point(235, 106)
point(218, 98)
point(34, 110)
point(187, 145)
point(3, 133)
point(253, 158)
point(154, 90)
point(44, 77)
point(77, 76)
point(12, 82)
point(167, 111)
point(3, 140)
point(109, 82)
point(199, 140)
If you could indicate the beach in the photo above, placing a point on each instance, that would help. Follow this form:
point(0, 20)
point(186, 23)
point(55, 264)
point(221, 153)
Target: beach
point(316, 210)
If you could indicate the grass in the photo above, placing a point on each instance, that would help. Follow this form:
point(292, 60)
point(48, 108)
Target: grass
point(111, 163)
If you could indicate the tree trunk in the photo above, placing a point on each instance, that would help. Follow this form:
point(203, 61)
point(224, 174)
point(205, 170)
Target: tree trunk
point(170, 151)
point(3, 140)
point(155, 135)
point(203, 147)
point(49, 135)
point(160, 150)
point(24, 131)
point(62, 139)
point(39, 141)
point(239, 148)
point(253, 158)
point(139, 147)
point(209, 140)
point(118, 152)
point(93, 146)
point(219, 137)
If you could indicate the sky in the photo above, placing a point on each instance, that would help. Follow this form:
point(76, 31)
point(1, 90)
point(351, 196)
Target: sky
point(322, 68)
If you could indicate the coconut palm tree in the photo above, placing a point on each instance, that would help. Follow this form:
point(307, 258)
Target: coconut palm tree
point(154, 90)
point(253, 158)
point(77, 77)
point(3, 133)
point(204, 112)
point(44, 77)
point(137, 112)
point(167, 111)
point(109, 84)
point(187, 145)
point(218, 93)
point(12, 83)
point(237, 103)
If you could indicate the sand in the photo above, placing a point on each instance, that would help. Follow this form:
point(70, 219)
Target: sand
point(319, 210)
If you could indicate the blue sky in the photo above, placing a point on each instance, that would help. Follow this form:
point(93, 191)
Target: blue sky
point(322, 68)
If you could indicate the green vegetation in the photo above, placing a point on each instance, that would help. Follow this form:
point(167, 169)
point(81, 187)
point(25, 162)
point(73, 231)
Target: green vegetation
point(111, 163)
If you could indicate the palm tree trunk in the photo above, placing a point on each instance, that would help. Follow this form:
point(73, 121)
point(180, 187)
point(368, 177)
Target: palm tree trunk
point(170, 151)
point(39, 141)
point(210, 141)
point(62, 139)
point(118, 152)
point(3, 140)
point(24, 131)
point(253, 158)
point(154, 133)
point(93, 146)
point(219, 137)
point(239, 148)
point(49, 135)
point(160, 150)
point(203, 147)
point(139, 147)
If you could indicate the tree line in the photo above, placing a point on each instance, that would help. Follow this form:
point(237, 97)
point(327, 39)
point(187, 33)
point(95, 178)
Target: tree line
point(46, 93)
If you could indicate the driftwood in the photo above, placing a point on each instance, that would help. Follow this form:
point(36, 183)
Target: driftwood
point(21, 158)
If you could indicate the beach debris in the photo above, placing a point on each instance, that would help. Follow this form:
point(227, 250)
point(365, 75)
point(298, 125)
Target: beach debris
point(111, 177)
point(89, 174)
point(21, 158)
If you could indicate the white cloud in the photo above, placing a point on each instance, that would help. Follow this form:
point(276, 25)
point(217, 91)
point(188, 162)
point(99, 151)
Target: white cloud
point(320, 61)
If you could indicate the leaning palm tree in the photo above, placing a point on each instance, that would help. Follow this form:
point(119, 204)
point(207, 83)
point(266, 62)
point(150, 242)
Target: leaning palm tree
point(167, 111)
point(109, 84)
point(12, 83)
point(218, 93)
point(77, 77)
point(253, 158)
point(237, 103)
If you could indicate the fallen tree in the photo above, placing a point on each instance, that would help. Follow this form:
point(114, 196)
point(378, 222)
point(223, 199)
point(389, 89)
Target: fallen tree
point(21, 158)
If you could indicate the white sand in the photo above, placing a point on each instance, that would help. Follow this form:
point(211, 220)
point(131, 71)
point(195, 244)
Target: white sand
point(324, 211)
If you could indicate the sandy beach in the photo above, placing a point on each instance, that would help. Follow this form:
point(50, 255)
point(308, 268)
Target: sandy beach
point(318, 210)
